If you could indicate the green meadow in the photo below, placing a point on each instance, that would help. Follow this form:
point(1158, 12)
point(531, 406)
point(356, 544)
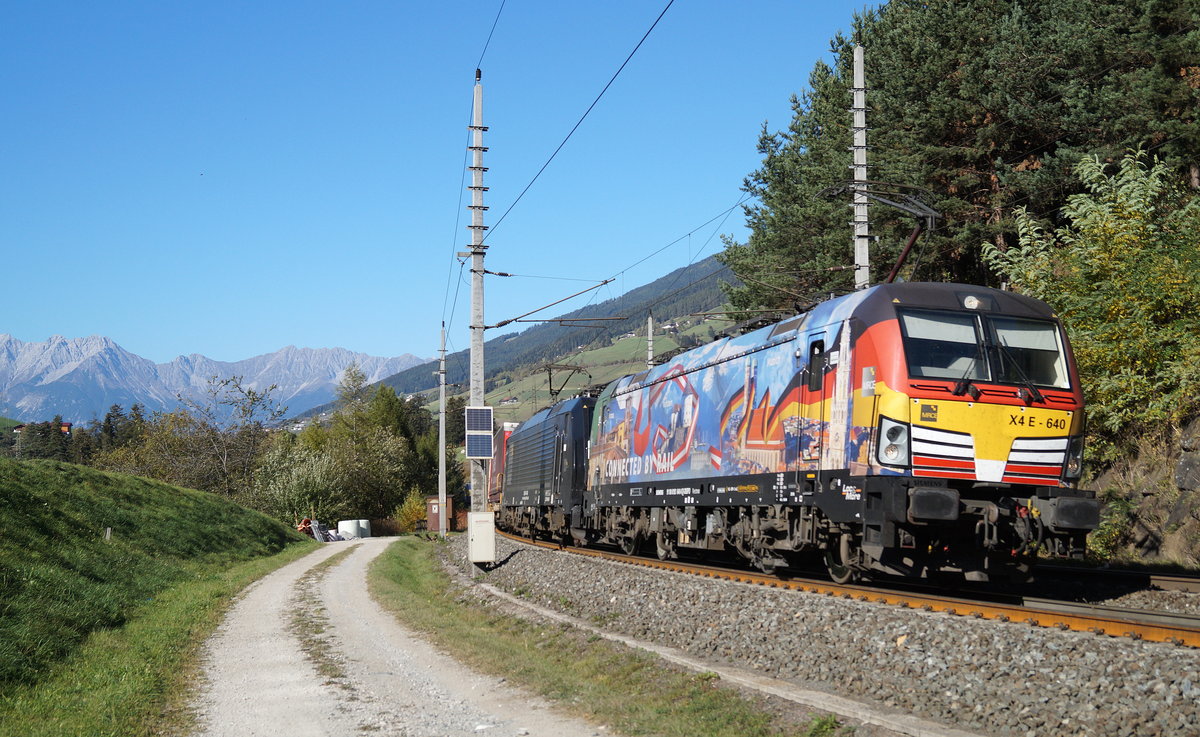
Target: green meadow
point(110, 583)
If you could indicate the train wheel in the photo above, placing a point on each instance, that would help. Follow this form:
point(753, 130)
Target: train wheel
point(838, 560)
point(628, 544)
point(665, 547)
point(766, 564)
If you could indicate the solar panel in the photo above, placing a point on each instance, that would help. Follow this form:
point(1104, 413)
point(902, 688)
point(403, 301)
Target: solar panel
point(479, 419)
point(479, 445)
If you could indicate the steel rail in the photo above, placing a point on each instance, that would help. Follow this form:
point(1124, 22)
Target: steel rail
point(1160, 627)
point(1164, 581)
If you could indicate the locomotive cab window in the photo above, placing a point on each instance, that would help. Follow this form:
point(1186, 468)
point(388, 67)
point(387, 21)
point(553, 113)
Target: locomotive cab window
point(943, 345)
point(1029, 350)
point(980, 347)
point(816, 366)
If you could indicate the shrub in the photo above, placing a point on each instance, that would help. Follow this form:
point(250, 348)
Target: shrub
point(1124, 276)
point(411, 511)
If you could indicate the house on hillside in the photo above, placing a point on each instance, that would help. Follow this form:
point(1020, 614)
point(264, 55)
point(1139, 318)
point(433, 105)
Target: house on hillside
point(64, 428)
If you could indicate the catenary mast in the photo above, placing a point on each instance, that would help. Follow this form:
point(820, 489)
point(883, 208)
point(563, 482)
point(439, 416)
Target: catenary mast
point(442, 515)
point(862, 229)
point(478, 472)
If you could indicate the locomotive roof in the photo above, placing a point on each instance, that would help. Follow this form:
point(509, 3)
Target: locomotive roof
point(940, 295)
point(553, 410)
point(878, 303)
point(873, 305)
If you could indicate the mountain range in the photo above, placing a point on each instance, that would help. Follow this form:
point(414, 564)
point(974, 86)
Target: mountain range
point(80, 378)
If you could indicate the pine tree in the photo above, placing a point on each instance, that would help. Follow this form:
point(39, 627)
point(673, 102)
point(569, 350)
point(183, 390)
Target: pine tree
point(987, 106)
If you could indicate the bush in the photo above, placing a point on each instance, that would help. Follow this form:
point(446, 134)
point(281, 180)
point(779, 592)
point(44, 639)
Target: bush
point(412, 511)
point(1116, 526)
point(1124, 276)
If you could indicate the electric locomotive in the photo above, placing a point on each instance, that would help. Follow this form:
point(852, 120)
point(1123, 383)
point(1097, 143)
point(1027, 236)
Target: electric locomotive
point(913, 429)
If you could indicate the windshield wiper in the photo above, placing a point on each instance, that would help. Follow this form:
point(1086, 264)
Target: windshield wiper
point(964, 384)
point(1030, 393)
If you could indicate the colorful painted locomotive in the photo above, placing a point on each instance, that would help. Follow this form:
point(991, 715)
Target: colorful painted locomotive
point(910, 429)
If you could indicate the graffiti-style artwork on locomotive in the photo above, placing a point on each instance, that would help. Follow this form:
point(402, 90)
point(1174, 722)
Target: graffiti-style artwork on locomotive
point(706, 414)
point(907, 429)
point(753, 404)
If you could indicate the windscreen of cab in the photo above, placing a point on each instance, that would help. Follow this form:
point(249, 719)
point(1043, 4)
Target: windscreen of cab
point(943, 344)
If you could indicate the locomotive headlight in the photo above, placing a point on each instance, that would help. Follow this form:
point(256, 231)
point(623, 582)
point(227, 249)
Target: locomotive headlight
point(893, 442)
point(1074, 465)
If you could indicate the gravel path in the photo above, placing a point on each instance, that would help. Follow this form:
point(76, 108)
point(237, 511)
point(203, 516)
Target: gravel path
point(369, 674)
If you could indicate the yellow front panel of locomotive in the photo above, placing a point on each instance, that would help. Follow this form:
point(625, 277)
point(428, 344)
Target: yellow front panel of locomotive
point(992, 426)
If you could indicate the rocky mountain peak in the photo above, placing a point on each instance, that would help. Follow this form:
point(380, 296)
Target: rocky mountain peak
point(80, 378)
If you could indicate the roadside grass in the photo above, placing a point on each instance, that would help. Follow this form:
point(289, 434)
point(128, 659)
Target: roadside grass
point(633, 692)
point(99, 636)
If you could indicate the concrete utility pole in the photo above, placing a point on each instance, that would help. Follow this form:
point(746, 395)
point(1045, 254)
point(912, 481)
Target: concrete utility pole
point(442, 435)
point(650, 342)
point(478, 472)
point(862, 229)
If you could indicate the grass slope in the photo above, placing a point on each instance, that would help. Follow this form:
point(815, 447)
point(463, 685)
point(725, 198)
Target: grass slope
point(105, 624)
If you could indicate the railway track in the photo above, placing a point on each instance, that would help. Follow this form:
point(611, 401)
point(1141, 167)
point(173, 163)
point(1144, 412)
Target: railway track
point(1139, 579)
point(1177, 629)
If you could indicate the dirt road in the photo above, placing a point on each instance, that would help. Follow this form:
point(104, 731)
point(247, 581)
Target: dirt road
point(369, 675)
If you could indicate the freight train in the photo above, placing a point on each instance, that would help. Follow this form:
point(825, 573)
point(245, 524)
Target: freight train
point(913, 430)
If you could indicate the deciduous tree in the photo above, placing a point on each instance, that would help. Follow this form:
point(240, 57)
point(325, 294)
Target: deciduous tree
point(1124, 275)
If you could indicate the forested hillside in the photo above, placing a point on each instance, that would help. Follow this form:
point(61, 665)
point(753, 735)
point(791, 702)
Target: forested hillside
point(980, 107)
point(691, 289)
point(1060, 143)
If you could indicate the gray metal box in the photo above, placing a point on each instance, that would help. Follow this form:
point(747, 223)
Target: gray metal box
point(481, 537)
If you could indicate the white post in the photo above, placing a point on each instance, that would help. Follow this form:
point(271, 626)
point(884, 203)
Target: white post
point(442, 523)
point(862, 230)
point(650, 342)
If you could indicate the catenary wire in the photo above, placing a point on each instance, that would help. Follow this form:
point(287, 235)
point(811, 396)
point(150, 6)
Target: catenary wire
point(724, 214)
point(580, 121)
point(487, 43)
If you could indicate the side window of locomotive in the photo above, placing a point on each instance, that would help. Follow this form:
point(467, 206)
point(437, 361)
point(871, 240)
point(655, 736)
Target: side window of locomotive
point(943, 345)
point(816, 366)
point(1029, 350)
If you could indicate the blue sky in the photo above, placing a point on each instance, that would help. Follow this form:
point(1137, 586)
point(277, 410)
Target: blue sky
point(230, 178)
